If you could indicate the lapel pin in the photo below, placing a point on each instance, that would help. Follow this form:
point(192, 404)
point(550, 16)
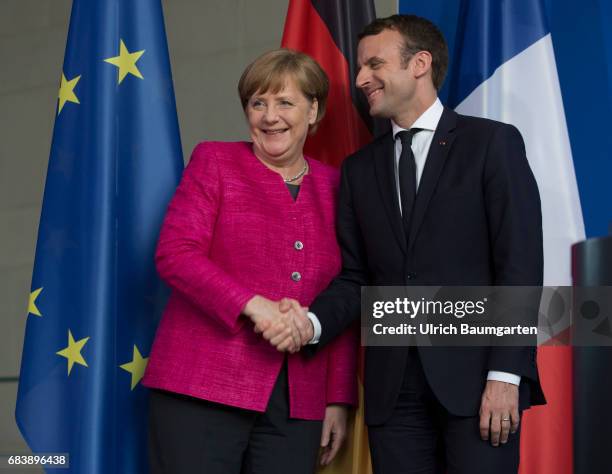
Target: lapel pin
point(442, 143)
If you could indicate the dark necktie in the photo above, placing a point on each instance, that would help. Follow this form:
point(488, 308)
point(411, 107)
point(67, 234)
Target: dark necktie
point(407, 175)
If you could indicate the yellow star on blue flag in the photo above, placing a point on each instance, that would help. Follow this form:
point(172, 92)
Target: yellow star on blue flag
point(32, 308)
point(73, 351)
point(136, 367)
point(126, 62)
point(66, 92)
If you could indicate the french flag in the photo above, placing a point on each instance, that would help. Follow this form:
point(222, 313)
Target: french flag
point(504, 69)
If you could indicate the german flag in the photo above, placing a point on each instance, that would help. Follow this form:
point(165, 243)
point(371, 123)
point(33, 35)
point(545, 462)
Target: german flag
point(327, 30)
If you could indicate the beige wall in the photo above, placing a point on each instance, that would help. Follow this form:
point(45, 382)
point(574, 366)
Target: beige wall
point(210, 42)
point(207, 61)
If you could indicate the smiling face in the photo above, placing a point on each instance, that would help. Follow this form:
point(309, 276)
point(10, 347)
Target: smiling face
point(386, 80)
point(279, 123)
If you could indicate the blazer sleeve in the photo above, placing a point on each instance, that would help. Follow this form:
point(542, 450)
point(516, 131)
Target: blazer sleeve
point(515, 232)
point(182, 256)
point(342, 368)
point(339, 304)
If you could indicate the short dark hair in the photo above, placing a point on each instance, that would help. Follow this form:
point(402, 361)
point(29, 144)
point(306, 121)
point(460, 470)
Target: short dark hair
point(419, 34)
point(270, 71)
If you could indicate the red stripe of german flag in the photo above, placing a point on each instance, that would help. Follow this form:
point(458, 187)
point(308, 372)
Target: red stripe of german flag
point(343, 130)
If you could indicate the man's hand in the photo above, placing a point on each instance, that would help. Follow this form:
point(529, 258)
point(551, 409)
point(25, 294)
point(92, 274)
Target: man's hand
point(499, 414)
point(334, 432)
point(302, 329)
point(268, 318)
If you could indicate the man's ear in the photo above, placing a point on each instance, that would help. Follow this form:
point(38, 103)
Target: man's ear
point(421, 63)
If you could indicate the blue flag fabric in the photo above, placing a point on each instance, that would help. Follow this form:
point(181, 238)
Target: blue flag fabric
point(489, 34)
point(96, 299)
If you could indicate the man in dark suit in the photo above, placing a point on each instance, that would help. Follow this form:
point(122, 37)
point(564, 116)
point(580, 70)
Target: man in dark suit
point(442, 199)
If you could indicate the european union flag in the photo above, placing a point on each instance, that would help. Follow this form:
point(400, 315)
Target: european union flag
point(96, 299)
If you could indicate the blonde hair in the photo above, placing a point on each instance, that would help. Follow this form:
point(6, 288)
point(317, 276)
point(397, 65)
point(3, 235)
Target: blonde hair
point(269, 73)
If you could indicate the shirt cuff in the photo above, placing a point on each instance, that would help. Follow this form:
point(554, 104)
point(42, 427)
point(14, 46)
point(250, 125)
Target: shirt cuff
point(316, 326)
point(504, 377)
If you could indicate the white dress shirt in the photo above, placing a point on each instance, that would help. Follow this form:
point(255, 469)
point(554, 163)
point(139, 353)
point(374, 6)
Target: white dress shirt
point(421, 142)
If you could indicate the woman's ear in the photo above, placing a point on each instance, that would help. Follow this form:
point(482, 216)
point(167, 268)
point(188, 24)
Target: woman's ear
point(313, 112)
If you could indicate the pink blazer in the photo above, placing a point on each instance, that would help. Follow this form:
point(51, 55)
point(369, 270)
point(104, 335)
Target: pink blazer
point(232, 230)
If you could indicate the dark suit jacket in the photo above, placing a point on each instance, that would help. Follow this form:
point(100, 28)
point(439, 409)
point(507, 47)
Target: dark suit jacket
point(476, 221)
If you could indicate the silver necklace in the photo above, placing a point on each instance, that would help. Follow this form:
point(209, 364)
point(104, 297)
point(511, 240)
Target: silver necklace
point(299, 175)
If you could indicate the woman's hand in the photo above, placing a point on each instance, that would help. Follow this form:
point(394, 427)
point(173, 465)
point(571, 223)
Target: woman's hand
point(264, 313)
point(267, 315)
point(334, 432)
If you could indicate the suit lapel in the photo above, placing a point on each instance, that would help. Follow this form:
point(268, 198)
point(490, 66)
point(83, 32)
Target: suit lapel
point(440, 146)
point(384, 163)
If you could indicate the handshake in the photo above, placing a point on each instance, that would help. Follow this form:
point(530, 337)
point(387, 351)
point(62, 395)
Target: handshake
point(284, 324)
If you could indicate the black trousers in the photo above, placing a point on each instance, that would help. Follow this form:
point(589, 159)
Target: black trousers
point(422, 437)
point(193, 436)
